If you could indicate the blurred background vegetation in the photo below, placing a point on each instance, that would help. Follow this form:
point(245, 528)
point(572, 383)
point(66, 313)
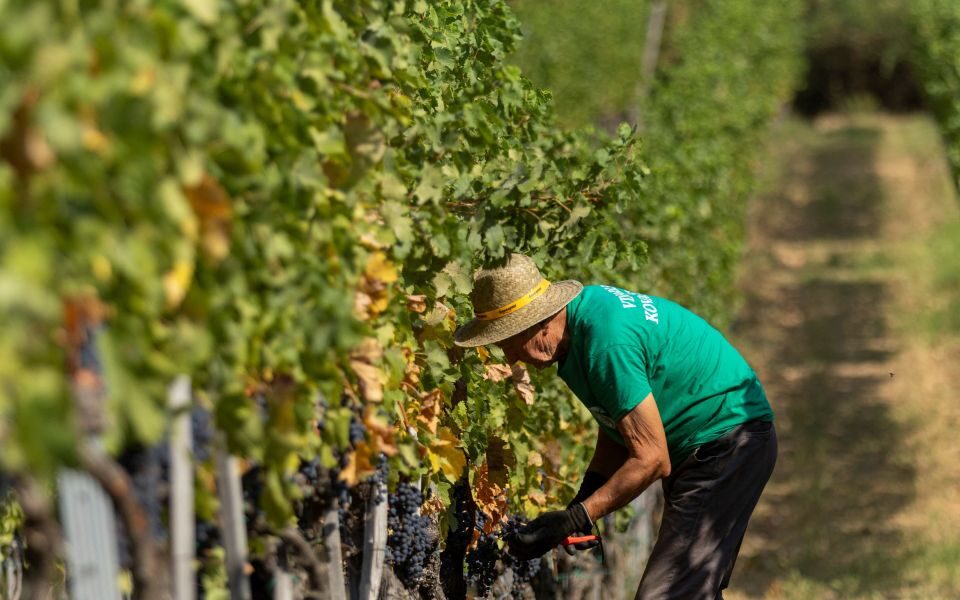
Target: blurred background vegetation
point(588, 54)
point(858, 53)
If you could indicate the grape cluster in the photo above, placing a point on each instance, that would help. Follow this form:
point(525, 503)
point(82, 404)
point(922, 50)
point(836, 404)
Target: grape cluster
point(523, 570)
point(409, 543)
point(207, 536)
point(379, 480)
point(201, 422)
point(482, 560)
point(149, 471)
point(252, 484)
point(482, 564)
point(357, 432)
point(341, 491)
point(311, 472)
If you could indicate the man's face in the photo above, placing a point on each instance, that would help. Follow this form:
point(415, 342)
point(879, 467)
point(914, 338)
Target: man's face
point(530, 346)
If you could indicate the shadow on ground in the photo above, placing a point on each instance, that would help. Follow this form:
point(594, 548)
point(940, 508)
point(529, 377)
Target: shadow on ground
point(822, 346)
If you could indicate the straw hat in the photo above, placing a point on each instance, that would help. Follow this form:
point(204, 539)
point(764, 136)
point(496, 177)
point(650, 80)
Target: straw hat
point(508, 299)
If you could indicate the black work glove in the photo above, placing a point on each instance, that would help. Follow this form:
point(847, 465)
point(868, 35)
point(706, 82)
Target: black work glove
point(592, 481)
point(547, 531)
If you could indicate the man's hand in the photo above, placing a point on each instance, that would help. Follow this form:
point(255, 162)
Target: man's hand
point(592, 481)
point(548, 531)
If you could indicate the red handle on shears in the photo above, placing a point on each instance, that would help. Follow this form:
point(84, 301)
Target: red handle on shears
point(578, 540)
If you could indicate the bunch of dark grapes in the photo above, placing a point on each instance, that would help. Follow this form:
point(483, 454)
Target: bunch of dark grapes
point(379, 481)
point(482, 563)
point(523, 570)
point(201, 422)
point(252, 484)
point(357, 432)
point(146, 467)
point(207, 536)
point(148, 470)
point(409, 543)
point(482, 560)
point(311, 472)
point(341, 491)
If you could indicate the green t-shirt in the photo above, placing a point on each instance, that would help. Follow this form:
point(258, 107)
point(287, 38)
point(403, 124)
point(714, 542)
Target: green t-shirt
point(625, 345)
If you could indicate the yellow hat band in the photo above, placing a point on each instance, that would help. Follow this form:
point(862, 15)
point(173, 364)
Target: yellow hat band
point(516, 304)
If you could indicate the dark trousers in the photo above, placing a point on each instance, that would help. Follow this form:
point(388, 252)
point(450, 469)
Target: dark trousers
point(709, 498)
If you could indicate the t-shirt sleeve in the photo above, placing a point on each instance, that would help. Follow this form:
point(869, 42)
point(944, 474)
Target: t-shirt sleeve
point(618, 378)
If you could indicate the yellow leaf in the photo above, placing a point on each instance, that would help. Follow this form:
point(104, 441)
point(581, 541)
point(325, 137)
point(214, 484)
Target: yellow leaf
point(431, 404)
point(381, 433)
point(434, 461)
point(370, 379)
point(359, 465)
point(94, 140)
point(445, 455)
point(216, 243)
point(373, 294)
point(205, 11)
point(176, 283)
point(143, 81)
point(411, 373)
point(101, 267)
point(379, 268)
point(363, 363)
point(290, 463)
point(379, 305)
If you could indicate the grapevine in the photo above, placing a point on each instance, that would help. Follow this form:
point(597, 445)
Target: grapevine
point(285, 201)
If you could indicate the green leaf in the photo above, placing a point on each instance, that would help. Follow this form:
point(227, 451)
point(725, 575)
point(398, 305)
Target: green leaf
point(459, 276)
point(494, 240)
point(329, 142)
point(205, 11)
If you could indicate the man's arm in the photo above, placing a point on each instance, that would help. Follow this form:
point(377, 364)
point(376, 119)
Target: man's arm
point(646, 460)
point(608, 455)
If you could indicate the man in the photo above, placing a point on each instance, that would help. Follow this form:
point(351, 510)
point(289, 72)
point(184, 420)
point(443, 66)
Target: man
point(674, 401)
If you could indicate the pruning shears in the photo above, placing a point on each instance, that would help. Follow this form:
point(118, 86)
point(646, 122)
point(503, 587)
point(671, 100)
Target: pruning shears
point(571, 540)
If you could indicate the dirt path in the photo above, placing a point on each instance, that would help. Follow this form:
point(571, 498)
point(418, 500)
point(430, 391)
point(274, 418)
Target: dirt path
point(845, 306)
